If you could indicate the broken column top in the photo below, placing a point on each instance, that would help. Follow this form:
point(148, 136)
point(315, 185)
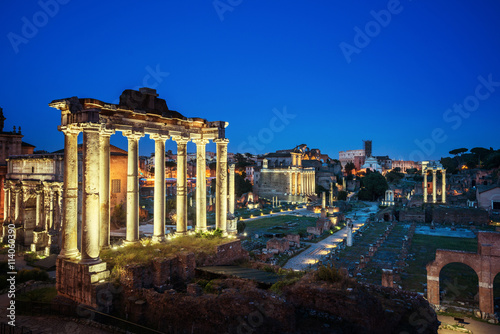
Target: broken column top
point(139, 111)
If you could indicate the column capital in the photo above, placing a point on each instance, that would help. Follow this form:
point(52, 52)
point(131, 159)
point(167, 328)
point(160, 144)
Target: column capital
point(232, 166)
point(130, 134)
point(221, 141)
point(200, 141)
point(71, 129)
point(158, 136)
point(434, 171)
point(91, 127)
point(180, 139)
point(107, 132)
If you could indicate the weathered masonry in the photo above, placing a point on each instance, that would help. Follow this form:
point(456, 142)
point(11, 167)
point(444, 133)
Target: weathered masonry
point(486, 264)
point(137, 114)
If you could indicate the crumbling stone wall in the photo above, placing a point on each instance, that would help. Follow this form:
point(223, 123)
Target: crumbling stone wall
point(460, 216)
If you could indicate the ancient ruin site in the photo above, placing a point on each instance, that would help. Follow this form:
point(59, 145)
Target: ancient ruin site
point(235, 166)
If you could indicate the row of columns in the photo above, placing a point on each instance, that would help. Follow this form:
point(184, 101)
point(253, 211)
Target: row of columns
point(96, 192)
point(302, 183)
point(434, 190)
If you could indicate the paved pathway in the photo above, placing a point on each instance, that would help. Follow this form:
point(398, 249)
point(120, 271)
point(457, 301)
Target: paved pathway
point(477, 327)
point(319, 249)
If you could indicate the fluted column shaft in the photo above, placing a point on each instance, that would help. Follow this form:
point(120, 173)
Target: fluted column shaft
point(181, 185)
point(231, 188)
point(221, 189)
point(159, 192)
point(69, 247)
point(6, 198)
point(104, 185)
point(434, 193)
point(90, 202)
point(296, 190)
point(201, 184)
point(51, 210)
point(38, 207)
point(133, 186)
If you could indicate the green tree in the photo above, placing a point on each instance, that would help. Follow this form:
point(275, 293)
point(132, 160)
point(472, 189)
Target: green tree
point(394, 176)
point(349, 167)
point(241, 186)
point(458, 151)
point(449, 164)
point(342, 195)
point(493, 160)
point(375, 186)
point(118, 216)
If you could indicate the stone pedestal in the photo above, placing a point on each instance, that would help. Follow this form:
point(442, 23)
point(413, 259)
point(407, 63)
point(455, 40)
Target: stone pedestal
point(387, 278)
point(81, 282)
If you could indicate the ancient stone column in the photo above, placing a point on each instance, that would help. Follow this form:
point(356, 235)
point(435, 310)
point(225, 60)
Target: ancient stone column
point(6, 202)
point(349, 234)
point(133, 186)
point(17, 204)
point(181, 184)
point(296, 188)
point(221, 189)
point(104, 184)
point(290, 181)
point(443, 190)
point(159, 192)
point(323, 200)
point(38, 207)
point(231, 188)
point(424, 171)
point(51, 210)
point(434, 200)
point(90, 203)
point(201, 184)
point(69, 247)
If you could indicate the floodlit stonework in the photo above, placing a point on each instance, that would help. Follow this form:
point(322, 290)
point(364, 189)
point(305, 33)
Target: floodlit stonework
point(137, 114)
point(434, 167)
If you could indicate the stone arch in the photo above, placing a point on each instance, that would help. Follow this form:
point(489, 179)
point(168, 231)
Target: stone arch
point(443, 258)
point(486, 264)
point(454, 288)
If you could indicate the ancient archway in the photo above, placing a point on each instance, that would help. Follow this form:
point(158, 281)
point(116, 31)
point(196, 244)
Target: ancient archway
point(486, 264)
point(459, 283)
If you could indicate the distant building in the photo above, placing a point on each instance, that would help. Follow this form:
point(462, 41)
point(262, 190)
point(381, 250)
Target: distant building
point(33, 188)
point(372, 164)
point(349, 156)
point(282, 174)
point(488, 197)
point(405, 165)
point(11, 143)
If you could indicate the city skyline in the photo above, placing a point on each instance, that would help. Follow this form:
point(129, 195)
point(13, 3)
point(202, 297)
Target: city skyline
point(327, 75)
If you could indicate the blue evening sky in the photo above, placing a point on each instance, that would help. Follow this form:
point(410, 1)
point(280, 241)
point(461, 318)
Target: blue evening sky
point(281, 72)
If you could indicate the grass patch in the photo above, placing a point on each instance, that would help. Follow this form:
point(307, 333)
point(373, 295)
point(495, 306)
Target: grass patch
point(144, 254)
point(460, 281)
point(44, 295)
point(264, 224)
